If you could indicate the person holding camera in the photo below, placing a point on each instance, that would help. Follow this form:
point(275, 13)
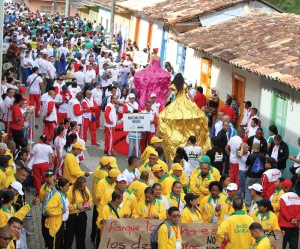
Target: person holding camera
point(131, 105)
point(89, 117)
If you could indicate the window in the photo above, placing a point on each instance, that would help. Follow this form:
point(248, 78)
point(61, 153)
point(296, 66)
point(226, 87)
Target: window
point(205, 75)
point(164, 42)
point(62, 10)
point(47, 10)
point(180, 59)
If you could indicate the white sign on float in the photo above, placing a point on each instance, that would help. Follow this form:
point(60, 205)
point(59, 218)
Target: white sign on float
point(136, 122)
point(140, 58)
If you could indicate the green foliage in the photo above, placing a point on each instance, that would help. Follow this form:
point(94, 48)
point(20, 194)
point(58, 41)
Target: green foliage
point(290, 6)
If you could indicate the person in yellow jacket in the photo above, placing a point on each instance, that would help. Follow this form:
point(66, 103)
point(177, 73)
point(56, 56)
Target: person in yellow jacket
point(174, 241)
point(3, 166)
point(261, 239)
point(55, 208)
point(153, 160)
point(14, 226)
point(265, 216)
point(225, 205)
point(138, 187)
point(71, 168)
point(129, 199)
point(154, 143)
point(276, 196)
point(99, 173)
point(176, 197)
point(164, 179)
point(234, 231)
point(7, 210)
point(191, 214)
point(179, 174)
point(80, 201)
point(198, 184)
point(209, 203)
point(46, 189)
point(150, 208)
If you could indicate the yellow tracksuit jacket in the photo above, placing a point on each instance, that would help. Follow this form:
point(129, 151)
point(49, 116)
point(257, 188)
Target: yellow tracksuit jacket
point(199, 185)
point(214, 173)
point(138, 187)
point(99, 174)
point(163, 241)
point(73, 205)
point(237, 229)
point(146, 153)
point(71, 169)
point(190, 216)
point(183, 178)
point(262, 243)
point(166, 183)
point(143, 209)
point(174, 201)
point(275, 201)
point(103, 186)
point(44, 191)
point(7, 212)
point(107, 214)
point(268, 222)
point(152, 179)
point(207, 208)
point(55, 209)
point(2, 178)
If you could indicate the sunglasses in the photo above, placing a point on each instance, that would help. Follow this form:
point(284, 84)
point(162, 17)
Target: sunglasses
point(5, 238)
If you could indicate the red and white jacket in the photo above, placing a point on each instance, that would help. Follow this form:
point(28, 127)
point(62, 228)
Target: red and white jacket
point(90, 106)
point(75, 111)
point(153, 119)
point(289, 209)
point(129, 107)
point(110, 115)
point(49, 111)
point(268, 180)
point(157, 107)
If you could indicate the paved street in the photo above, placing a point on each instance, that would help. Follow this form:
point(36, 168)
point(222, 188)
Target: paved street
point(91, 162)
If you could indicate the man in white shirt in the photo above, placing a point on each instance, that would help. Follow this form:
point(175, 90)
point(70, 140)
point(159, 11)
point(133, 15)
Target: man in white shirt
point(28, 61)
point(193, 152)
point(247, 113)
point(51, 73)
point(34, 81)
point(104, 76)
point(61, 103)
point(155, 106)
point(49, 116)
point(7, 108)
point(146, 136)
point(90, 78)
point(80, 76)
point(97, 95)
point(131, 172)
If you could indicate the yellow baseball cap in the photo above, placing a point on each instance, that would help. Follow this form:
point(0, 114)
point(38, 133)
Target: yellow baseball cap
point(155, 140)
point(78, 145)
point(156, 168)
point(176, 166)
point(153, 152)
point(114, 173)
point(104, 160)
point(113, 162)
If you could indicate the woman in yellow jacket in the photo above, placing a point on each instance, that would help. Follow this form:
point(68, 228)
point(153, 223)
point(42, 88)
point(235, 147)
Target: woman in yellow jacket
point(176, 198)
point(191, 214)
point(56, 207)
point(7, 210)
point(265, 216)
point(80, 201)
point(150, 208)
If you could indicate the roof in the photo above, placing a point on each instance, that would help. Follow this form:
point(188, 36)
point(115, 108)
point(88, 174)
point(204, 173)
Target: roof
point(266, 44)
point(174, 11)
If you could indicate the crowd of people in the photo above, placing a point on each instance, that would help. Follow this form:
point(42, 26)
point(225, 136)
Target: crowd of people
point(68, 77)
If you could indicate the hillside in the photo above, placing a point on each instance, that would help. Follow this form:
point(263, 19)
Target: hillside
point(291, 6)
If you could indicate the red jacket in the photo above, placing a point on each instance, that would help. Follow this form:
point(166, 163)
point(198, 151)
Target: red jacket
point(200, 100)
point(268, 182)
point(289, 209)
point(229, 111)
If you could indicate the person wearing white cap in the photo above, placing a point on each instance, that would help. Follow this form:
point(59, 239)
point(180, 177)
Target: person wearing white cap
point(129, 199)
point(155, 106)
point(131, 106)
point(224, 207)
point(256, 191)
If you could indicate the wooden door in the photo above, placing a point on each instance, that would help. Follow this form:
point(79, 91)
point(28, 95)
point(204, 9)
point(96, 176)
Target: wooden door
point(149, 38)
point(137, 30)
point(238, 90)
point(205, 77)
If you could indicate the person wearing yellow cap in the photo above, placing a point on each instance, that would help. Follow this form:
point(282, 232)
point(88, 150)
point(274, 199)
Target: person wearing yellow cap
point(71, 170)
point(148, 167)
point(191, 214)
point(150, 208)
point(138, 187)
point(179, 174)
point(113, 162)
point(154, 143)
point(160, 153)
point(164, 179)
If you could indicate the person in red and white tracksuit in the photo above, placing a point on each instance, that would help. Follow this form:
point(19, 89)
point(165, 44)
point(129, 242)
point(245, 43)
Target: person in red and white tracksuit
point(289, 215)
point(76, 111)
point(90, 107)
point(155, 106)
point(97, 95)
point(131, 104)
point(110, 123)
point(61, 102)
point(49, 116)
point(146, 136)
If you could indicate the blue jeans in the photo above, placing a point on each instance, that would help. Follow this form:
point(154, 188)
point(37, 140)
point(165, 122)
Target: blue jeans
point(249, 182)
point(121, 85)
point(61, 67)
point(132, 144)
point(242, 178)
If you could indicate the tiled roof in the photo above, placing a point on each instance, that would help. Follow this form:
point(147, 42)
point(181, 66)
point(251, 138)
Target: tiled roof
point(267, 44)
point(174, 11)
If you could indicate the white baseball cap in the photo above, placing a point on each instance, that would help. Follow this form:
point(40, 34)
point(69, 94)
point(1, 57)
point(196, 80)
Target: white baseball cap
point(257, 187)
point(121, 178)
point(17, 186)
point(153, 95)
point(232, 186)
point(131, 95)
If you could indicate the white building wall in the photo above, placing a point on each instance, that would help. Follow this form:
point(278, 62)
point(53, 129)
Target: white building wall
point(192, 65)
point(171, 52)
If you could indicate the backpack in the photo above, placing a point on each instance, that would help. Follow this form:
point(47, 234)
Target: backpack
point(48, 197)
point(104, 103)
point(154, 234)
point(62, 57)
point(258, 166)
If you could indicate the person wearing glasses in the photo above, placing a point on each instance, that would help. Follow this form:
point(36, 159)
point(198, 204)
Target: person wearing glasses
point(4, 237)
point(174, 240)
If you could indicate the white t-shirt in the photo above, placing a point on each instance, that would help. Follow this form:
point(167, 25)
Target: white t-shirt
point(242, 162)
point(97, 95)
point(234, 144)
point(89, 76)
point(62, 108)
point(34, 82)
point(193, 153)
point(130, 175)
point(79, 76)
point(41, 153)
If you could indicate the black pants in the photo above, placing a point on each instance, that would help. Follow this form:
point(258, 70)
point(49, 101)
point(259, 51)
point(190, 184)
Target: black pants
point(57, 241)
point(45, 231)
point(76, 225)
point(17, 135)
point(94, 219)
point(291, 236)
point(49, 83)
